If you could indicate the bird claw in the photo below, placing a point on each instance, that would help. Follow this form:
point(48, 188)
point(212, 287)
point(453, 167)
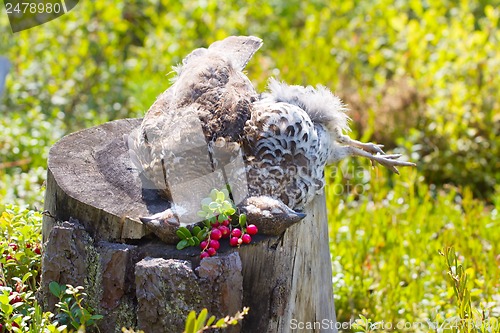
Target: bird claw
point(372, 148)
point(390, 162)
point(392, 156)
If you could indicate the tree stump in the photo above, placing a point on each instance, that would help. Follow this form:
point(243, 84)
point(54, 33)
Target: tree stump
point(93, 237)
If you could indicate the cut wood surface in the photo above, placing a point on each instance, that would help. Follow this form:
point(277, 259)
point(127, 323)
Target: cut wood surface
point(286, 280)
point(90, 178)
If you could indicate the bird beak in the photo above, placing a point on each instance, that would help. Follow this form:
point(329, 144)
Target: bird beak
point(297, 216)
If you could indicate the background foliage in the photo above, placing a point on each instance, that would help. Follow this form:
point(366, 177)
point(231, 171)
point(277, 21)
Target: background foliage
point(419, 76)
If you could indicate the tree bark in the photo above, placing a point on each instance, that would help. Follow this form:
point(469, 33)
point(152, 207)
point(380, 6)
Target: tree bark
point(135, 280)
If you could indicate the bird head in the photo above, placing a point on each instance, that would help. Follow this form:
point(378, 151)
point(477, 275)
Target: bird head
point(271, 216)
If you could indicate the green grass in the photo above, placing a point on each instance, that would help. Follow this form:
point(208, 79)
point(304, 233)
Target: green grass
point(385, 242)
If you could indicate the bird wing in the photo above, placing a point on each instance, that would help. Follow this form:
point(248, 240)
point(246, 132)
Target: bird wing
point(239, 49)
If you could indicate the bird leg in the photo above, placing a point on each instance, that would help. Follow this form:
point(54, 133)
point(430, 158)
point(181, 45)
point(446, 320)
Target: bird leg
point(389, 161)
point(369, 147)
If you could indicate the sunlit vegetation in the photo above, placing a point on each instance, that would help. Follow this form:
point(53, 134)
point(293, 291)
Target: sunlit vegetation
point(420, 77)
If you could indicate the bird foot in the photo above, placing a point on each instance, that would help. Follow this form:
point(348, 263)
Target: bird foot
point(391, 161)
point(372, 148)
point(271, 216)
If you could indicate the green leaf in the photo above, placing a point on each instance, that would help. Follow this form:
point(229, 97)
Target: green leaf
point(190, 323)
point(243, 220)
point(221, 218)
point(185, 231)
point(221, 323)
point(196, 230)
point(74, 324)
point(200, 322)
point(191, 241)
point(202, 234)
point(220, 197)
point(214, 206)
point(26, 276)
point(206, 202)
point(180, 234)
point(210, 320)
point(182, 244)
point(55, 289)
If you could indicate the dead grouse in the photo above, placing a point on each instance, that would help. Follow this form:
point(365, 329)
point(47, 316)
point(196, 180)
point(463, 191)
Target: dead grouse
point(211, 128)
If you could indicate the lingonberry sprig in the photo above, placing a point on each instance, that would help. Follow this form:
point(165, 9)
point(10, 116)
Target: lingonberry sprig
point(221, 221)
point(242, 233)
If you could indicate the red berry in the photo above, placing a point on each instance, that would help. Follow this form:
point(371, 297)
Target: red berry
point(216, 234)
point(203, 245)
point(13, 246)
point(9, 257)
point(252, 229)
point(211, 251)
point(234, 241)
point(14, 324)
point(38, 250)
point(204, 254)
point(225, 231)
point(28, 245)
point(236, 233)
point(226, 222)
point(214, 244)
point(215, 225)
point(246, 238)
point(16, 299)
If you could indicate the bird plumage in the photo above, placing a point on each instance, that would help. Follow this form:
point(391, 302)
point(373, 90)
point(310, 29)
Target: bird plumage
point(285, 153)
point(212, 116)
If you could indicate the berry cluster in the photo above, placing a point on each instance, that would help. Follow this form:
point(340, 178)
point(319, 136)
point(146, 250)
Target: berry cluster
point(237, 235)
point(10, 254)
point(221, 221)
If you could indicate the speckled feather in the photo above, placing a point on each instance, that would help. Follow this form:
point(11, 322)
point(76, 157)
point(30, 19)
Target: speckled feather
point(285, 153)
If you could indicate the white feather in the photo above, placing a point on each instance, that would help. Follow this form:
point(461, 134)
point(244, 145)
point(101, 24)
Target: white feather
point(319, 103)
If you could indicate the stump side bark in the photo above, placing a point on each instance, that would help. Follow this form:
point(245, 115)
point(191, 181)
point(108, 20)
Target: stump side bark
point(285, 280)
point(293, 274)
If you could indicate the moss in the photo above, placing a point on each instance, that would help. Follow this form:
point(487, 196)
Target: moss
point(125, 315)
